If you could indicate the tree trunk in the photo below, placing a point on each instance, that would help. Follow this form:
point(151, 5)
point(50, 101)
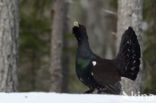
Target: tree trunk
point(130, 14)
point(67, 55)
point(57, 45)
point(8, 45)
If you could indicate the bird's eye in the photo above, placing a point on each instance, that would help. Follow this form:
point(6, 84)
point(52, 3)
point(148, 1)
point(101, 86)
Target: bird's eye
point(83, 27)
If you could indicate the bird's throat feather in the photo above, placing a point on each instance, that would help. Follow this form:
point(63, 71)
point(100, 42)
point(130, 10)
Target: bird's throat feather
point(82, 63)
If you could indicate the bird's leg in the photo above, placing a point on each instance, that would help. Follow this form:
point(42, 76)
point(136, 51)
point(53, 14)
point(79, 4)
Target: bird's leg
point(89, 91)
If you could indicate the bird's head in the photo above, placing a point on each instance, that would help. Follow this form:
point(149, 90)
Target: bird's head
point(79, 31)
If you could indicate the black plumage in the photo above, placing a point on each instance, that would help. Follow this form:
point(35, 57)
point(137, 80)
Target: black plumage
point(103, 74)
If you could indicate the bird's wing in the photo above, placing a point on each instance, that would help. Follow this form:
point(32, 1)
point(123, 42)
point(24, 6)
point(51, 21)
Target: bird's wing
point(104, 72)
point(128, 59)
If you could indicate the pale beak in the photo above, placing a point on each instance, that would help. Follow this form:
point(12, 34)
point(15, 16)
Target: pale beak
point(76, 24)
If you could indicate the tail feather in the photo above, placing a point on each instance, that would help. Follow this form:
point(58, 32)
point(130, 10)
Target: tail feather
point(128, 59)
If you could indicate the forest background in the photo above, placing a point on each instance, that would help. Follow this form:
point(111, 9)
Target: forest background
point(100, 18)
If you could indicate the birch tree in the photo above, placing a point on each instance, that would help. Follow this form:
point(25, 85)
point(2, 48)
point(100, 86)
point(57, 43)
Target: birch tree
point(8, 45)
point(130, 14)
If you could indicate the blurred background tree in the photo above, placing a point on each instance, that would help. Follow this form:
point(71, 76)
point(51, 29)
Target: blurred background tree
point(100, 18)
point(35, 22)
point(57, 42)
point(130, 14)
point(150, 46)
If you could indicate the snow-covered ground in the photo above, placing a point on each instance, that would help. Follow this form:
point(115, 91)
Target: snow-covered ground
point(72, 98)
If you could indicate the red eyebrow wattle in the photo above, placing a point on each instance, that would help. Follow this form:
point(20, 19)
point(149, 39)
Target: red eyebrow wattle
point(83, 27)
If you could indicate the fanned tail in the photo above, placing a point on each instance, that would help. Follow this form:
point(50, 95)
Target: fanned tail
point(128, 59)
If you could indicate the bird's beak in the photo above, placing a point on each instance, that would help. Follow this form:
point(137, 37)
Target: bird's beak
point(76, 24)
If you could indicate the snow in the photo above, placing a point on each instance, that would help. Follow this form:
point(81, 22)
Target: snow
point(72, 98)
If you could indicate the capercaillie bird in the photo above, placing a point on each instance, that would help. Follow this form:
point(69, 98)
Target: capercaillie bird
point(101, 74)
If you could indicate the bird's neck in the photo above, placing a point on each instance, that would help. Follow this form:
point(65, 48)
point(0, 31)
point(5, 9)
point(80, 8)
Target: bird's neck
point(84, 49)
